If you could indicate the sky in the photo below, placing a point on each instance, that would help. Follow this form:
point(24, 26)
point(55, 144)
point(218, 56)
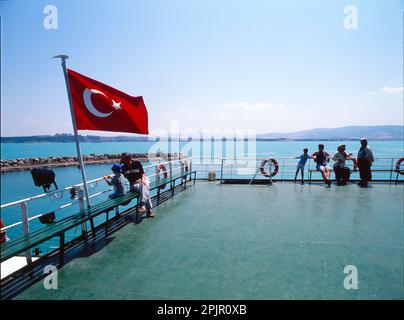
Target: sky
point(268, 66)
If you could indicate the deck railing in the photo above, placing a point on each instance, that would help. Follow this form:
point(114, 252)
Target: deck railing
point(152, 172)
point(224, 168)
point(384, 168)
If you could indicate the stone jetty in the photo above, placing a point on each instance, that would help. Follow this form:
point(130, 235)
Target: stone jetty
point(52, 162)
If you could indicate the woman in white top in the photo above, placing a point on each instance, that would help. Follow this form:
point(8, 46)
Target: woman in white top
point(342, 172)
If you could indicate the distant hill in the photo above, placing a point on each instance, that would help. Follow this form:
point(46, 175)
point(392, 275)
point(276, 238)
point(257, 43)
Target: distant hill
point(345, 133)
point(389, 132)
point(66, 137)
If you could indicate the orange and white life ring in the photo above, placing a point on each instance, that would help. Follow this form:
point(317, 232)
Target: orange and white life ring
point(161, 168)
point(355, 164)
point(273, 173)
point(398, 164)
point(3, 237)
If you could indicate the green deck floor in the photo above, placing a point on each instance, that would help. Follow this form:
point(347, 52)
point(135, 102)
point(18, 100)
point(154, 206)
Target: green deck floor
point(249, 242)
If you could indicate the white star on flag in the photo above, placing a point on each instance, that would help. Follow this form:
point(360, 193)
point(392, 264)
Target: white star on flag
point(116, 105)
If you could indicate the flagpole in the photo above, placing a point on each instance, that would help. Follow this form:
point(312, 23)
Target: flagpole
point(76, 136)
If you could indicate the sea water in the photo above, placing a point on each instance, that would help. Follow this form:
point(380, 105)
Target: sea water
point(262, 148)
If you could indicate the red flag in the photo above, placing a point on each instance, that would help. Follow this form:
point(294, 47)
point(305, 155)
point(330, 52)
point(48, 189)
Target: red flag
point(100, 107)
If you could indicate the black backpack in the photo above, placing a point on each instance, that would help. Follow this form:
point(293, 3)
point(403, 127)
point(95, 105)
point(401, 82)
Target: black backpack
point(44, 178)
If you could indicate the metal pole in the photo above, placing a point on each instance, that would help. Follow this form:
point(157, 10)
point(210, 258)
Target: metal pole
point(24, 212)
point(157, 176)
point(221, 172)
point(76, 136)
point(81, 206)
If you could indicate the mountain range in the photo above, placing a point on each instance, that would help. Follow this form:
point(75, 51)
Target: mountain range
point(386, 132)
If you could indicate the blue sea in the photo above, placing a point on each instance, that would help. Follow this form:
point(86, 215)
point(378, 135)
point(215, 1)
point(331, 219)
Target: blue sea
point(18, 185)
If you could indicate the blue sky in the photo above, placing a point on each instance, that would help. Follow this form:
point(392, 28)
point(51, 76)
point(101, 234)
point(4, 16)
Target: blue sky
point(265, 65)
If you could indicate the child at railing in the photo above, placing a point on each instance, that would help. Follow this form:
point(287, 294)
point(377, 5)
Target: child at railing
point(117, 181)
point(302, 162)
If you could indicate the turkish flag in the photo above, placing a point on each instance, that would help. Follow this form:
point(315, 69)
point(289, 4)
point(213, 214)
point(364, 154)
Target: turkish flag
point(97, 106)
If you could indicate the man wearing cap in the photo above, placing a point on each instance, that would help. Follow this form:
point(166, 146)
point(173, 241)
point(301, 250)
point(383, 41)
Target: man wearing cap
point(133, 171)
point(365, 159)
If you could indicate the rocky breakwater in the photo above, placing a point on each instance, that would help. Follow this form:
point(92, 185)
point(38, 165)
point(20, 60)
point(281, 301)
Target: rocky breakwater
point(49, 162)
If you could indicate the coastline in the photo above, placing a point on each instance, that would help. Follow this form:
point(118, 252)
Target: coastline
point(57, 162)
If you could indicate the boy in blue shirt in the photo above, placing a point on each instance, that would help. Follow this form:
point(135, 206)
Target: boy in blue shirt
point(117, 181)
point(302, 162)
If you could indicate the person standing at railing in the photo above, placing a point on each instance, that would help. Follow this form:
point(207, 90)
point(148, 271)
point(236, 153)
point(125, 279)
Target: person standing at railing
point(133, 171)
point(117, 181)
point(302, 162)
point(365, 159)
point(322, 158)
point(342, 172)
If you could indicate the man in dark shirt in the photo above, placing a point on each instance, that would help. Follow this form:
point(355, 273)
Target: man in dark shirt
point(365, 159)
point(133, 171)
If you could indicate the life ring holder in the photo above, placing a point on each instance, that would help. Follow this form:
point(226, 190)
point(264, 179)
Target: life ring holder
point(273, 173)
point(398, 166)
point(162, 167)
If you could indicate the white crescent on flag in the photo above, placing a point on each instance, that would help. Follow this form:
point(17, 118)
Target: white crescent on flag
point(90, 107)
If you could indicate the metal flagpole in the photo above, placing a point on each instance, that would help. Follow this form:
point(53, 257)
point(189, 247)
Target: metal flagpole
point(76, 136)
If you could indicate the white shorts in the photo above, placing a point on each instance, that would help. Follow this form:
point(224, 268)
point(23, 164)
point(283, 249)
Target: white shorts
point(322, 167)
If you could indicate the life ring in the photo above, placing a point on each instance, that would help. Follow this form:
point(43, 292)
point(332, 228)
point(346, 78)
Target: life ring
point(162, 167)
point(273, 173)
point(355, 164)
point(3, 237)
point(398, 166)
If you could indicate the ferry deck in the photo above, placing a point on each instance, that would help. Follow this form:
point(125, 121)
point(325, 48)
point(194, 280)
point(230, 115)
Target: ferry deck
point(239, 241)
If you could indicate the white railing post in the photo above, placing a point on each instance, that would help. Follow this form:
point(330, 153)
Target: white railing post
point(80, 195)
point(182, 168)
point(25, 222)
point(221, 172)
point(231, 171)
point(190, 165)
point(170, 168)
point(283, 169)
point(157, 176)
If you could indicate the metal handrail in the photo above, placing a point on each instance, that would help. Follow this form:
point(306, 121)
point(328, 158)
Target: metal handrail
point(70, 187)
point(229, 167)
point(277, 157)
point(24, 202)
